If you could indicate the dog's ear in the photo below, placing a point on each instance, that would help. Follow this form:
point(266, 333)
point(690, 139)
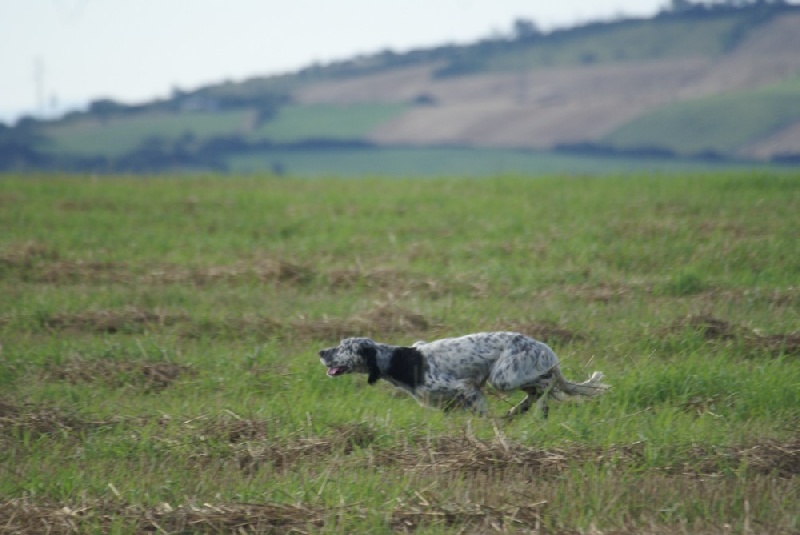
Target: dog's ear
point(371, 360)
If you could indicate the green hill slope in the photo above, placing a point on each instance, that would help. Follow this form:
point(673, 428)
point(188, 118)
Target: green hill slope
point(709, 79)
point(721, 123)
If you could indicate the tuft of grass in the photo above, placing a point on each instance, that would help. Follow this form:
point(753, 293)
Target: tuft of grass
point(683, 284)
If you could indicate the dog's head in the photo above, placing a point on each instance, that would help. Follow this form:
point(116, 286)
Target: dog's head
point(352, 355)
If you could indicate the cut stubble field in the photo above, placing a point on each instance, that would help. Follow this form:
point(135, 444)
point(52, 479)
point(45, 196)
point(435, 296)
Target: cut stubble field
point(159, 339)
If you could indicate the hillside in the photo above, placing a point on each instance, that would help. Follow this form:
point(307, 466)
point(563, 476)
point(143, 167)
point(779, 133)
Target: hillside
point(719, 83)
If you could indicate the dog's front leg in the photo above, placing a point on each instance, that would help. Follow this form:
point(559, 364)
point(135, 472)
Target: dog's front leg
point(470, 398)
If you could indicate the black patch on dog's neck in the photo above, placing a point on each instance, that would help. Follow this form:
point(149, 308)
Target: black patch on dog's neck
point(406, 366)
point(371, 359)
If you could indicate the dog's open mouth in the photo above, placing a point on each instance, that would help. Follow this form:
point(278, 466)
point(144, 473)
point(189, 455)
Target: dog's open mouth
point(334, 371)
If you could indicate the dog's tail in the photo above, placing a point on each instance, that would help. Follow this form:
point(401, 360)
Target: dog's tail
point(592, 387)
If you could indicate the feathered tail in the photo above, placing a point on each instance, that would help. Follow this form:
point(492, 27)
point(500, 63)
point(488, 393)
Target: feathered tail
point(592, 387)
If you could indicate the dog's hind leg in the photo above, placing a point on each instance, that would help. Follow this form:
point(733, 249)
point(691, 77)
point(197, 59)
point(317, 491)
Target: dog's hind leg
point(537, 394)
point(533, 396)
point(541, 405)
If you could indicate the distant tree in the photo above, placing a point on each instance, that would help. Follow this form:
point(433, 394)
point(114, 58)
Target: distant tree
point(19, 146)
point(681, 5)
point(424, 99)
point(105, 106)
point(26, 123)
point(525, 29)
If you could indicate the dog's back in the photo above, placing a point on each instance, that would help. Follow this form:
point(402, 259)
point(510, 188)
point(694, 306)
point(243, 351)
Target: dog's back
point(475, 356)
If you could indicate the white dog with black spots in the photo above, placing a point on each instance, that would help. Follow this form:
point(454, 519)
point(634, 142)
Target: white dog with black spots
point(450, 373)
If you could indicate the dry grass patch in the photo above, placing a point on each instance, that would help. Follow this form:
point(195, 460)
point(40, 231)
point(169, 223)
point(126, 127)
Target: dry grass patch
point(464, 454)
point(128, 319)
point(381, 320)
point(24, 255)
point(547, 332)
point(150, 375)
point(38, 262)
point(255, 443)
point(715, 329)
point(38, 419)
point(399, 282)
point(468, 517)
point(25, 516)
point(264, 270)
point(287, 454)
point(74, 271)
point(88, 205)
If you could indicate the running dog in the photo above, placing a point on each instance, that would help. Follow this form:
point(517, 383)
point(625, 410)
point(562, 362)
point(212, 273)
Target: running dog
point(449, 373)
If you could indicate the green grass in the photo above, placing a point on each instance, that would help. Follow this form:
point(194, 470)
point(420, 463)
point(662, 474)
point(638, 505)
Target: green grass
point(721, 123)
point(159, 368)
point(449, 161)
point(326, 121)
point(632, 41)
point(119, 135)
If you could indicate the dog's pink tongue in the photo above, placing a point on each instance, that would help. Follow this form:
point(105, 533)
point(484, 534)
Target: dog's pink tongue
point(334, 371)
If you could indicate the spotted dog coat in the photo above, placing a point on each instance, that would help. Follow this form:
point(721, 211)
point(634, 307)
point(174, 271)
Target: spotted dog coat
point(449, 373)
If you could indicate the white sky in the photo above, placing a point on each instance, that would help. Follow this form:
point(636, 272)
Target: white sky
point(136, 50)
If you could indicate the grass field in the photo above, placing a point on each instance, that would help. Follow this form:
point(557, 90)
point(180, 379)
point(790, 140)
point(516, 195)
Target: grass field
point(121, 134)
point(159, 338)
point(722, 123)
point(472, 162)
point(633, 41)
point(323, 121)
